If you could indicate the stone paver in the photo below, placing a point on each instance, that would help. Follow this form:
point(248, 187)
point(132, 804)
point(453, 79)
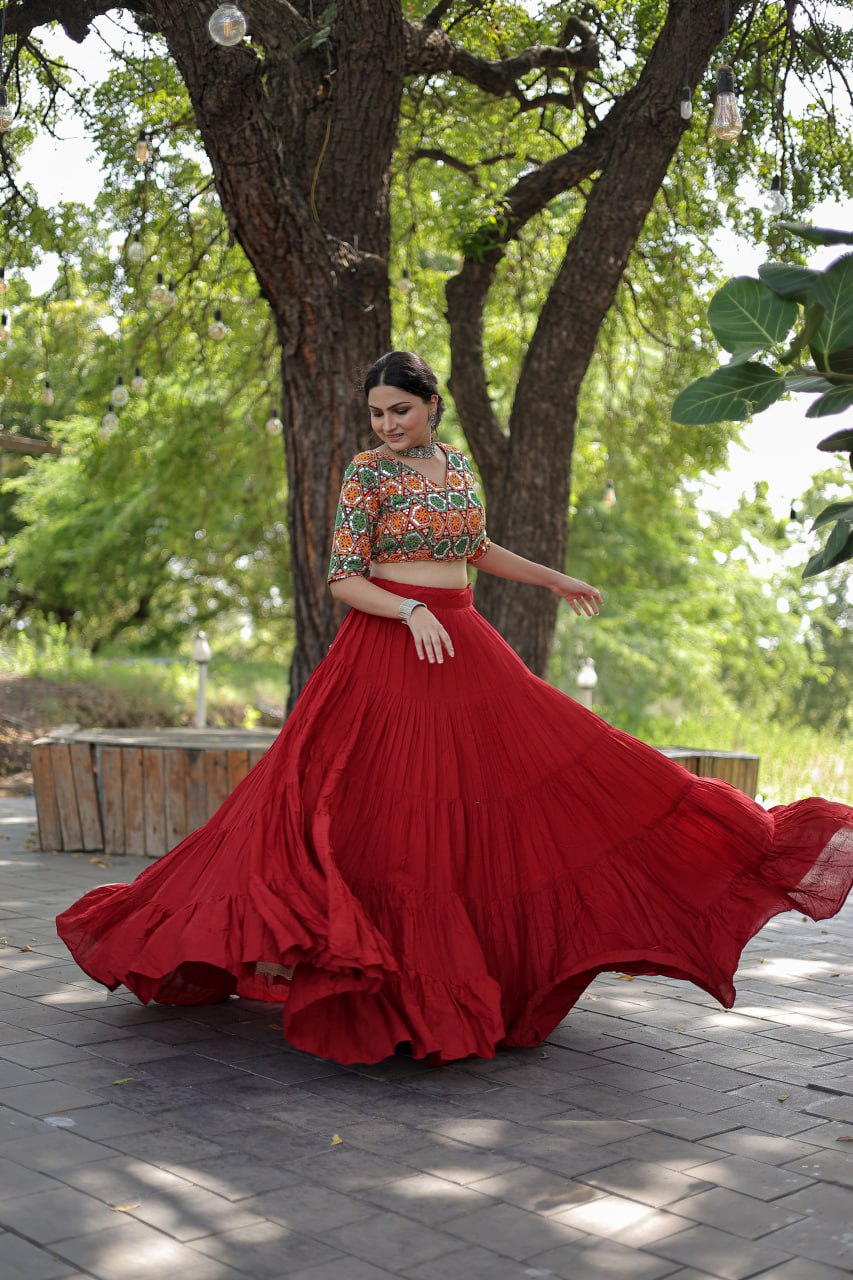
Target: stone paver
point(653, 1135)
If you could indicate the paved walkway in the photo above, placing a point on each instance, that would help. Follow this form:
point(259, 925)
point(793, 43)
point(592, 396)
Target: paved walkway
point(654, 1135)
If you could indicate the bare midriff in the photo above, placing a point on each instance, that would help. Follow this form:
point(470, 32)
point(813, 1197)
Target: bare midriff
point(422, 573)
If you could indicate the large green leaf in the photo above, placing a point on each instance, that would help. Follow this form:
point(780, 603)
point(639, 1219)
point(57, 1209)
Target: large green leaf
point(838, 442)
point(835, 511)
point(788, 280)
point(834, 401)
point(746, 313)
point(838, 548)
point(806, 382)
point(817, 235)
point(729, 394)
point(834, 292)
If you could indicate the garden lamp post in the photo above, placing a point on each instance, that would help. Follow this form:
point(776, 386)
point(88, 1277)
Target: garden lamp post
point(202, 654)
point(587, 679)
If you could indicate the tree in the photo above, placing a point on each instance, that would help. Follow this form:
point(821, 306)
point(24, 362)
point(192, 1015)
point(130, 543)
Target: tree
point(754, 318)
point(301, 128)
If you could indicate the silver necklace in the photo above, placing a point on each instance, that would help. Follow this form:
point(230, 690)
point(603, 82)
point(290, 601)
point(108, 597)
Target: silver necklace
point(417, 451)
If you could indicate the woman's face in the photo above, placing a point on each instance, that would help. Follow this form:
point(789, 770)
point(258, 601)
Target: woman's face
point(400, 418)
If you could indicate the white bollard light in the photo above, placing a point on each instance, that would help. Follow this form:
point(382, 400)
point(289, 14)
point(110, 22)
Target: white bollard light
point(587, 679)
point(202, 653)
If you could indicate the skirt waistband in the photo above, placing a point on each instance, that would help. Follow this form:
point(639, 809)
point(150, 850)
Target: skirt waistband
point(432, 597)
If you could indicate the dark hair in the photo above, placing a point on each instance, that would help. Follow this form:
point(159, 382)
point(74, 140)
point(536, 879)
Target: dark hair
point(407, 371)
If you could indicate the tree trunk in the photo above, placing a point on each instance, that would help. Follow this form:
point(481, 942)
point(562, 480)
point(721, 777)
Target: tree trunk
point(301, 147)
point(527, 472)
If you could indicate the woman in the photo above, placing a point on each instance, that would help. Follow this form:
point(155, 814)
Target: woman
point(440, 851)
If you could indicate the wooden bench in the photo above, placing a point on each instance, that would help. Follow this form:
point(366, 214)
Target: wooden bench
point(137, 791)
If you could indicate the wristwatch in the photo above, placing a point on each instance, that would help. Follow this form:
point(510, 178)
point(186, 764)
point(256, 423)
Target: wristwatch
point(407, 608)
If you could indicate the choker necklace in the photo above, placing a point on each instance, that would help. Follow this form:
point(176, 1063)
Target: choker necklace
point(416, 451)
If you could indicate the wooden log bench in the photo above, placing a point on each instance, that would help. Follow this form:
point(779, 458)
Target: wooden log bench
point(137, 791)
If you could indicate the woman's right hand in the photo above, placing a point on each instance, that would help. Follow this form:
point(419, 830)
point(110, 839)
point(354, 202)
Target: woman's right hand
point(429, 635)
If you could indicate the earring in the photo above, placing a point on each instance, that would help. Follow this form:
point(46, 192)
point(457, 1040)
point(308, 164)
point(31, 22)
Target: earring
point(431, 424)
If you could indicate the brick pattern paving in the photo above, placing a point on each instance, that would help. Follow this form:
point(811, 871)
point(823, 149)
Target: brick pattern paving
point(654, 1135)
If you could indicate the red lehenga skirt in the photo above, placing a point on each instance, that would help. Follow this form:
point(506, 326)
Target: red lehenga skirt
point(447, 855)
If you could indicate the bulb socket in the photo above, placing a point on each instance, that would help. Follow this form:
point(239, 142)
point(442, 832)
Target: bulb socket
point(725, 80)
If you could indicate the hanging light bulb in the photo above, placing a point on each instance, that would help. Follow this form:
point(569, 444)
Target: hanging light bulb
point(4, 327)
point(775, 202)
point(170, 297)
point(159, 290)
point(7, 112)
point(119, 395)
point(109, 422)
point(610, 494)
point(274, 425)
point(142, 150)
point(686, 106)
point(4, 283)
point(405, 285)
point(136, 250)
point(217, 328)
point(47, 394)
point(137, 382)
point(228, 25)
point(728, 124)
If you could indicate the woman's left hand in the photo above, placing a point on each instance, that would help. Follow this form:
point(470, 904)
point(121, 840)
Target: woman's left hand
point(583, 598)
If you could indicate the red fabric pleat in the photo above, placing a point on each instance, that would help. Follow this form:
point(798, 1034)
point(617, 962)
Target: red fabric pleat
point(446, 855)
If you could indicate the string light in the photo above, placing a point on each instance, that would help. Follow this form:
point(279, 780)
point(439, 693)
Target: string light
point(137, 382)
point(775, 203)
point(228, 25)
point(119, 395)
point(4, 283)
point(109, 422)
point(142, 150)
point(274, 425)
point(405, 285)
point(728, 123)
point(169, 297)
point(47, 394)
point(7, 112)
point(217, 329)
point(686, 106)
point(136, 250)
point(159, 290)
point(4, 327)
point(610, 494)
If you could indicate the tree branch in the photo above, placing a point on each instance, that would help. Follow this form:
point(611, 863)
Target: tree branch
point(430, 51)
point(76, 16)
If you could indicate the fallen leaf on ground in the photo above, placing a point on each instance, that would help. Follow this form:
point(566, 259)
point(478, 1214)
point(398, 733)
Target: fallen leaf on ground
point(543, 1054)
point(337, 1140)
point(123, 1080)
point(783, 1097)
point(25, 948)
point(123, 1208)
point(845, 1137)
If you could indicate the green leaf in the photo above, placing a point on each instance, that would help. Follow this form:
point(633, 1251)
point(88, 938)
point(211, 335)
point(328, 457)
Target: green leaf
point(835, 511)
point(838, 442)
point(330, 15)
point(834, 401)
point(746, 313)
point(838, 548)
point(729, 394)
point(788, 280)
point(741, 354)
point(806, 382)
point(817, 235)
point(834, 292)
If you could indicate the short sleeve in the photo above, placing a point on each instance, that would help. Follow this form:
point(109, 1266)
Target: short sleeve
point(358, 506)
point(480, 550)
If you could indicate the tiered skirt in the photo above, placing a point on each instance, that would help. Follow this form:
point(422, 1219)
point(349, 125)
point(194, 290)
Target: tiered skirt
point(444, 856)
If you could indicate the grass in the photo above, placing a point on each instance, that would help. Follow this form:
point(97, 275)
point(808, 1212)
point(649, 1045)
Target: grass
point(796, 760)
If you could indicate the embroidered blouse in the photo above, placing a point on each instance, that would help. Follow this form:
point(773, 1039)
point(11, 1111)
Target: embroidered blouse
point(389, 511)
